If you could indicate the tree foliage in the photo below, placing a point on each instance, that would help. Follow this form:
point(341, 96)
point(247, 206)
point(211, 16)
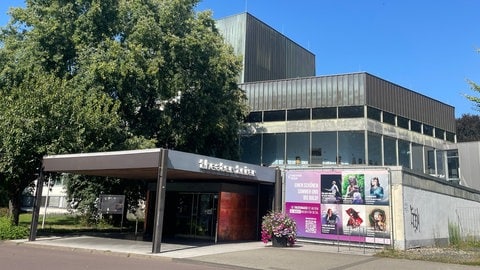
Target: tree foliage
point(89, 75)
point(468, 128)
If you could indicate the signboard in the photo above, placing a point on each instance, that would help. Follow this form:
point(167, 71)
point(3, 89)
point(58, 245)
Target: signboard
point(343, 205)
point(112, 204)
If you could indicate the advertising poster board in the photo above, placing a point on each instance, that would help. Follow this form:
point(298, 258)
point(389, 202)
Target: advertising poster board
point(344, 205)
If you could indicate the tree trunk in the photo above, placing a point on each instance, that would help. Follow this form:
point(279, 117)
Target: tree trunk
point(14, 205)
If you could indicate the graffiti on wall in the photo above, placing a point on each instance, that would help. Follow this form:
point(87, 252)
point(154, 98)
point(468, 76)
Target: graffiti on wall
point(414, 218)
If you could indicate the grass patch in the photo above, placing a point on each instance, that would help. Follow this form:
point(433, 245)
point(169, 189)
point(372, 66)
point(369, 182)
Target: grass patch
point(464, 253)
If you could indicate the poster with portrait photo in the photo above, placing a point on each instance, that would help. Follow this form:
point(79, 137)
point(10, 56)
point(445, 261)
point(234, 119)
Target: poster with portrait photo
point(378, 221)
point(331, 185)
point(353, 188)
point(354, 220)
point(377, 191)
point(331, 216)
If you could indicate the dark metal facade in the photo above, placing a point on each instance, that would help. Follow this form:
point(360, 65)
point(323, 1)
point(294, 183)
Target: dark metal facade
point(267, 54)
point(355, 89)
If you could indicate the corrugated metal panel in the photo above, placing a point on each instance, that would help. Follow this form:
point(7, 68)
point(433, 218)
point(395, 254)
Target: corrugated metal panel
point(404, 102)
point(233, 29)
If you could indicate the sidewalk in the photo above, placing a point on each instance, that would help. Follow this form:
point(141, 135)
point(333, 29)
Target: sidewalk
point(247, 255)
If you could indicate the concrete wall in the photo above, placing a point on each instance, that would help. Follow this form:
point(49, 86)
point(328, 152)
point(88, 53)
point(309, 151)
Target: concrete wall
point(424, 207)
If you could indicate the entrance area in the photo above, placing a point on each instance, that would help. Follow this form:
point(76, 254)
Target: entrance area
point(196, 215)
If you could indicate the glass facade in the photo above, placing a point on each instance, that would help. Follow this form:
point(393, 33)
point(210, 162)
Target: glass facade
point(347, 147)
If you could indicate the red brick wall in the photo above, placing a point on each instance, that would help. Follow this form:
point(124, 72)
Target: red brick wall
point(237, 217)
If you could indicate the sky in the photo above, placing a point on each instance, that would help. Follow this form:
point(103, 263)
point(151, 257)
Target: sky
point(430, 47)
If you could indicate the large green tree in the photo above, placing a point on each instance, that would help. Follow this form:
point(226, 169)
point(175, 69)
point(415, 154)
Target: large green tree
point(84, 75)
point(468, 128)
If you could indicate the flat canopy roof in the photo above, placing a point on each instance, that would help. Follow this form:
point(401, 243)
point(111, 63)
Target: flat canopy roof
point(144, 164)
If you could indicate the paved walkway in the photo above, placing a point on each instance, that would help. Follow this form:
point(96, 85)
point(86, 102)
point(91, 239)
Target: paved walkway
point(247, 255)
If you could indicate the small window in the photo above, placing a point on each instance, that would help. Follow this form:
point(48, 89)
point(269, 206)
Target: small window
point(439, 133)
point(450, 136)
point(389, 118)
point(427, 130)
point(350, 112)
point(324, 113)
point(271, 116)
point(373, 113)
point(402, 122)
point(416, 126)
point(254, 117)
point(298, 114)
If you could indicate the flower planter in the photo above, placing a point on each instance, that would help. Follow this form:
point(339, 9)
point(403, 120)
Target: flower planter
point(279, 241)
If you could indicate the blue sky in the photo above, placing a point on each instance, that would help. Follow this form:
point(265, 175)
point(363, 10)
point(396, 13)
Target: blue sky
point(430, 47)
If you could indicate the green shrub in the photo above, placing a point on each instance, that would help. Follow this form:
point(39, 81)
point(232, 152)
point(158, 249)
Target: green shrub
point(8, 231)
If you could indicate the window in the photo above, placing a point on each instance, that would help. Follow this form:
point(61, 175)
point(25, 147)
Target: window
point(439, 133)
point(404, 153)
point(373, 113)
point(416, 126)
point(298, 144)
point(324, 113)
point(389, 118)
point(270, 116)
point(430, 160)
point(427, 130)
point(450, 136)
point(251, 149)
point(324, 147)
point(254, 117)
point(374, 149)
point(453, 164)
point(299, 114)
point(273, 149)
point(402, 122)
point(389, 151)
point(351, 147)
point(350, 112)
point(417, 158)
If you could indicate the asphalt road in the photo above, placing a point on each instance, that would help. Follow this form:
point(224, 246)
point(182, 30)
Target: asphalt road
point(23, 257)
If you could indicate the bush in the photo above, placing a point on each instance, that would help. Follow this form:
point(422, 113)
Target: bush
point(9, 231)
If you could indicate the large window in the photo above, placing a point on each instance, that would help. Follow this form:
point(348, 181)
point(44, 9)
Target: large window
point(251, 147)
point(273, 149)
point(389, 151)
point(374, 149)
point(324, 147)
point(351, 147)
point(430, 160)
point(453, 164)
point(297, 147)
point(404, 153)
point(417, 157)
point(441, 163)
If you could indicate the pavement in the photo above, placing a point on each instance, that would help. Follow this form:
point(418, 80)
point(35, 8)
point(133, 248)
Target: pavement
point(245, 255)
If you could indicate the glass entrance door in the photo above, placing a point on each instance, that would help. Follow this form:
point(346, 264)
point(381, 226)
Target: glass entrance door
point(196, 215)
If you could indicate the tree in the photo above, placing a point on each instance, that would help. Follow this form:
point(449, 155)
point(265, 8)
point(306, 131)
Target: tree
point(468, 128)
point(89, 75)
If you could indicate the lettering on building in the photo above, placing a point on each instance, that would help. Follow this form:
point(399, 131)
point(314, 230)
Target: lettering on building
point(204, 164)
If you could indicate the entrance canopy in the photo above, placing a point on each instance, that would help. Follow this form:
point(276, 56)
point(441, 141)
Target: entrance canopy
point(157, 165)
point(145, 164)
